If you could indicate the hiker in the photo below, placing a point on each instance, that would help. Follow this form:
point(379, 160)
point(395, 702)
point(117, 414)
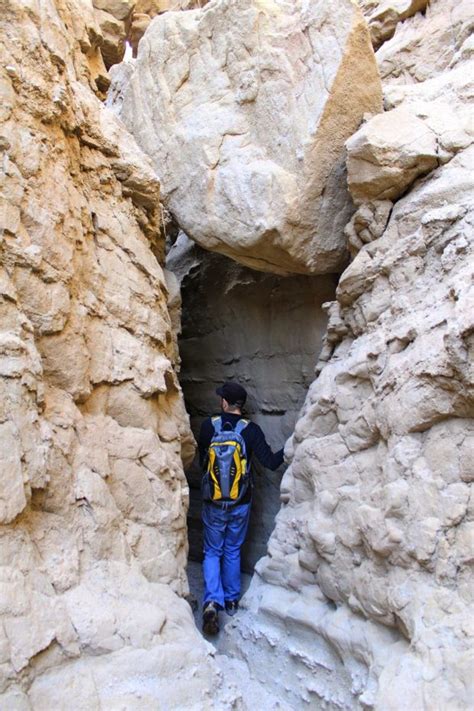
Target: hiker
point(227, 444)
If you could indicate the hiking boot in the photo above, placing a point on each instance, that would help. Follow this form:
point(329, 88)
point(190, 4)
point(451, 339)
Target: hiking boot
point(210, 619)
point(231, 607)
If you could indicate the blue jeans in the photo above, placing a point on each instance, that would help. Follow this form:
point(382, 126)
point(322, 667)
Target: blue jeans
point(224, 533)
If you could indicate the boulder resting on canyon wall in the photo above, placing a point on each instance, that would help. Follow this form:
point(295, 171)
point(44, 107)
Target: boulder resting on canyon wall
point(244, 108)
point(93, 431)
point(366, 592)
point(145, 10)
point(383, 16)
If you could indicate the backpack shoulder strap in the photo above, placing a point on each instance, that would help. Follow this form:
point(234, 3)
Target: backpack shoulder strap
point(241, 425)
point(217, 424)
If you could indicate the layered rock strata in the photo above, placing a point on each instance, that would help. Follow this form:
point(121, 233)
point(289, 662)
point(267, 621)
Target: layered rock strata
point(265, 332)
point(244, 108)
point(93, 430)
point(365, 595)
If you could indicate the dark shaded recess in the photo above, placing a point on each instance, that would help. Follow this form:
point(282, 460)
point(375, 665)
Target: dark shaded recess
point(265, 332)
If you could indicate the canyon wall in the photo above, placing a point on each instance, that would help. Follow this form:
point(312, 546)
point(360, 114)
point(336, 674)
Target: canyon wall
point(365, 595)
point(263, 121)
point(93, 431)
point(362, 600)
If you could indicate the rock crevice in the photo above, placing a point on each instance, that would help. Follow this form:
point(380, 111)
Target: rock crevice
point(264, 123)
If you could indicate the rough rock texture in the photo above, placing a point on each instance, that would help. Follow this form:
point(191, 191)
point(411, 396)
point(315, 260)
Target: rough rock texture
point(113, 18)
point(156, 7)
point(387, 155)
point(428, 119)
point(145, 10)
point(244, 108)
point(127, 20)
point(114, 35)
point(92, 425)
point(417, 54)
point(262, 330)
point(365, 596)
point(383, 16)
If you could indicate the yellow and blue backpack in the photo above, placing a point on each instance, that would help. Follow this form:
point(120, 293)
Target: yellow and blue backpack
point(227, 477)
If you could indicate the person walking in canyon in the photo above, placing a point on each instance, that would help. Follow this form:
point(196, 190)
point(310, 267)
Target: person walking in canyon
point(227, 444)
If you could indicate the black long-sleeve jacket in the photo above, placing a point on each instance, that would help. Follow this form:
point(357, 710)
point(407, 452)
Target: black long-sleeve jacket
point(255, 443)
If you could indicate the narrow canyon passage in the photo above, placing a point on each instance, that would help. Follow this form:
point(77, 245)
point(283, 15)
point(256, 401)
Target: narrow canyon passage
point(284, 136)
point(263, 331)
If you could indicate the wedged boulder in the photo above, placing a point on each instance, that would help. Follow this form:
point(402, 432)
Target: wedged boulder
point(244, 108)
point(383, 16)
point(365, 595)
point(113, 32)
point(387, 154)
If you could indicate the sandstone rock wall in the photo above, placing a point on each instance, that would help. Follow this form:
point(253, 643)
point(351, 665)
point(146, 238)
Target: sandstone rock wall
point(365, 595)
point(93, 430)
point(265, 332)
point(145, 10)
point(363, 599)
point(244, 107)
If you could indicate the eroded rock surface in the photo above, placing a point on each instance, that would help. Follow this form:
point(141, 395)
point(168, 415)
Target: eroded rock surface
point(244, 108)
point(93, 430)
point(145, 10)
point(365, 595)
point(364, 599)
point(383, 16)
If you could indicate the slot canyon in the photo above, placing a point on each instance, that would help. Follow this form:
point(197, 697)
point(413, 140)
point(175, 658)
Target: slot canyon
point(277, 193)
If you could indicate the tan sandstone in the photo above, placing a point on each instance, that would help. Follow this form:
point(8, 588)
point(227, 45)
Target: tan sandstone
point(365, 595)
point(364, 599)
point(93, 432)
point(383, 16)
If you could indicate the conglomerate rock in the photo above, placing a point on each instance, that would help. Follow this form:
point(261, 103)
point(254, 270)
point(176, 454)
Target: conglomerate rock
point(244, 107)
point(366, 593)
point(93, 430)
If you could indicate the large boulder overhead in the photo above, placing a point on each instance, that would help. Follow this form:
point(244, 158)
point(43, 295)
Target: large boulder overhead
point(244, 108)
point(365, 595)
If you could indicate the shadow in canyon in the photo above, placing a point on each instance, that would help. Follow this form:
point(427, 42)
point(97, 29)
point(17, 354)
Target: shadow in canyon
point(263, 331)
